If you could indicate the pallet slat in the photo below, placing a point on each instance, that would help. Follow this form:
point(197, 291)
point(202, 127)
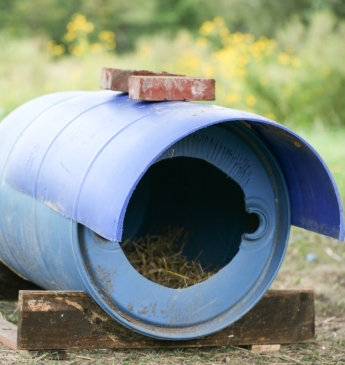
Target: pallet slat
point(72, 320)
point(8, 334)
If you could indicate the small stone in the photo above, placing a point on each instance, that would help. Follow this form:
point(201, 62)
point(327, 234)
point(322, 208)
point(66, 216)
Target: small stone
point(310, 257)
point(265, 348)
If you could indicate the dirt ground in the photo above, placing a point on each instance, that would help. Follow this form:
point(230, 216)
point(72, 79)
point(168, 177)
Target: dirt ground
point(312, 261)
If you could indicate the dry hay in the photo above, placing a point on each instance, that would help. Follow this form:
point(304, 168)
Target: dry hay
point(159, 258)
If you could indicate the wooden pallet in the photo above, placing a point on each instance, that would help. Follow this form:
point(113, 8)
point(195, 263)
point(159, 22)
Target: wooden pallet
point(72, 320)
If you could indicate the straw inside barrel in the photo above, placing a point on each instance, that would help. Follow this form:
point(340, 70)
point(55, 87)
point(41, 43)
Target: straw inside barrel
point(160, 259)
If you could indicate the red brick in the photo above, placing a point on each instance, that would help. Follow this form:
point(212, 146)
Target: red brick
point(158, 88)
point(117, 79)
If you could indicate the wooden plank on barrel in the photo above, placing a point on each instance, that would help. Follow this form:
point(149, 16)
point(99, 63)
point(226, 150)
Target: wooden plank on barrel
point(72, 320)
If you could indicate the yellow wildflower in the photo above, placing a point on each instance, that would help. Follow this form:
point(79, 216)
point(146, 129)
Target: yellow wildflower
point(70, 36)
point(296, 62)
point(284, 59)
point(58, 49)
point(243, 60)
point(208, 71)
point(207, 28)
point(237, 37)
point(218, 20)
point(95, 48)
point(241, 72)
point(202, 42)
point(250, 100)
point(224, 31)
point(110, 44)
point(233, 98)
point(259, 46)
point(270, 116)
point(248, 38)
point(106, 35)
point(49, 46)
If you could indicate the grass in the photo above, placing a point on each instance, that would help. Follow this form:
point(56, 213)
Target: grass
point(289, 354)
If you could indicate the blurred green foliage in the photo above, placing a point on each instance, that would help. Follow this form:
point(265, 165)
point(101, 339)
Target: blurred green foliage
point(132, 19)
point(280, 59)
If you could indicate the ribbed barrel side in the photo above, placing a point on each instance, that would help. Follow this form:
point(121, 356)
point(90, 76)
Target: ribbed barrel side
point(27, 226)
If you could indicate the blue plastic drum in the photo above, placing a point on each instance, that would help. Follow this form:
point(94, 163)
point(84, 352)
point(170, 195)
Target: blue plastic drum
point(83, 171)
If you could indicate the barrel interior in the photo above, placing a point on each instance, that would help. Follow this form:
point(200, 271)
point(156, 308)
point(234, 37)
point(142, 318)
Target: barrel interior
point(191, 194)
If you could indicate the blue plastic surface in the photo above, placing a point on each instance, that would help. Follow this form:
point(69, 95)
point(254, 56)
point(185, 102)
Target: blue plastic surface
point(94, 126)
point(209, 306)
point(112, 168)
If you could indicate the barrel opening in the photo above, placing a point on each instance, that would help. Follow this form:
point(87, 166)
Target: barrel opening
point(253, 223)
point(198, 200)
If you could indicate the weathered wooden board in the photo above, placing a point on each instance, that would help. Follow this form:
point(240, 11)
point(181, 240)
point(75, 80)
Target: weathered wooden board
point(8, 337)
point(8, 334)
point(71, 320)
point(11, 283)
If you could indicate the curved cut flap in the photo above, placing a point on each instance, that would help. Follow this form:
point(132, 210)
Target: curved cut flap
point(314, 198)
point(84, 157)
